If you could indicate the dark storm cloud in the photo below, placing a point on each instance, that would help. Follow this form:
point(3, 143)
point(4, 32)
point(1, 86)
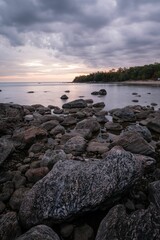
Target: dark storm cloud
point(99, 32)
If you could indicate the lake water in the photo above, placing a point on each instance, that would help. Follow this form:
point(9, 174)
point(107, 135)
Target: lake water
point(118, 95)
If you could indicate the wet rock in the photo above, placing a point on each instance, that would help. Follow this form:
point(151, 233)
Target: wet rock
point(39, 232)
point(30, 92)
point(51, 157)
point(62, 193)
point(35, 174)
point(102, 92)
point(16, 198)
point(9, 227)
point(57, 110)
point(135, 143)
point(79, 103)
point(76, 145)
point(6, 148)
point(64, 97)
point(142, 224)
point(154, 193)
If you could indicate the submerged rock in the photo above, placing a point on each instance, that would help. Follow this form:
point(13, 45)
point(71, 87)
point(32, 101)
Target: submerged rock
point(61, 194)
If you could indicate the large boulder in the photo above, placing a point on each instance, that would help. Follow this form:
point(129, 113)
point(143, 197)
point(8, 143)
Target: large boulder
point(135, 143)
point(71, 187)
point(39, 232)
point(142, 224)
point(79, 103)
point(143, 130)
point(118, 225)
point(51, 157)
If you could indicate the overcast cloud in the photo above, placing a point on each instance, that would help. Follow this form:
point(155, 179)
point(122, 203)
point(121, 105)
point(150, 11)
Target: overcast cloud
point(58, 39)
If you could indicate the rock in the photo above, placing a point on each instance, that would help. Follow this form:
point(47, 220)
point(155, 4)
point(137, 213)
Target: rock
point(76, 145)
point(97, 147)
point(66, 230)
point(5, 176)
point(28, 136)
point(35, 174)
point(154, 124)
point(49, 125)
point(7, 191)
point(67, 91)
point(89, 101)
point(30, 92)
point(154, 193)
point(16, 198)
point(141, 224)
point(84, 232)
point(102, 92)
point(2, 207)
point(64, 97)
point(51, 157)
point(13, 112)
point(144, 132)
point(57, 110)
point(18, 180)
point(95, 93)
point(6, 148)
point(124, 114)
point(68, 121)
point(61, 194)
point(28, 118)
point(130, 205)
point(79, 103)
point(36, 148)
point(113, 126)
point(90, 125)
point(39, 232)
point(58, 129)
point(135, 143)
point(99, 105)
point(9, 227)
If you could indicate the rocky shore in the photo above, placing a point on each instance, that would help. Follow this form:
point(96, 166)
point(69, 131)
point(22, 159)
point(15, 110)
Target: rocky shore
point(70, 173)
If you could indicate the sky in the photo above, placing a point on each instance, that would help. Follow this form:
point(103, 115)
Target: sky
point(56, 40)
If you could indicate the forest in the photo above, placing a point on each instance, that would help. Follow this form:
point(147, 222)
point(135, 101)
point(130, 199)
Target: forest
point(146, 72)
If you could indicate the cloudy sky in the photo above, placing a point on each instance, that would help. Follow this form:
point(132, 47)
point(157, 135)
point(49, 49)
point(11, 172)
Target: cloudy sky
point(55, 40)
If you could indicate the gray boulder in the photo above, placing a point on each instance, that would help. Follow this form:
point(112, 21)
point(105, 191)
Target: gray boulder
point(118, 225)
point(39, 232)
point(71, 187)
point(76, 145)
point(79, 103)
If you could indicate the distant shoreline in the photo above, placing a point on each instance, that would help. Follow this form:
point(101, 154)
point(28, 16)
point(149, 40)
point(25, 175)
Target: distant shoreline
point(140, 82)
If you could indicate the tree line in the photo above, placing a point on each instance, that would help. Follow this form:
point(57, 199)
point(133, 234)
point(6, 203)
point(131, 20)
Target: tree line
point(146, 72)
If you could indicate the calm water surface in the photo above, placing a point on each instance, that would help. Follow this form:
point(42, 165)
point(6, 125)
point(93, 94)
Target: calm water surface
point(118, 95)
